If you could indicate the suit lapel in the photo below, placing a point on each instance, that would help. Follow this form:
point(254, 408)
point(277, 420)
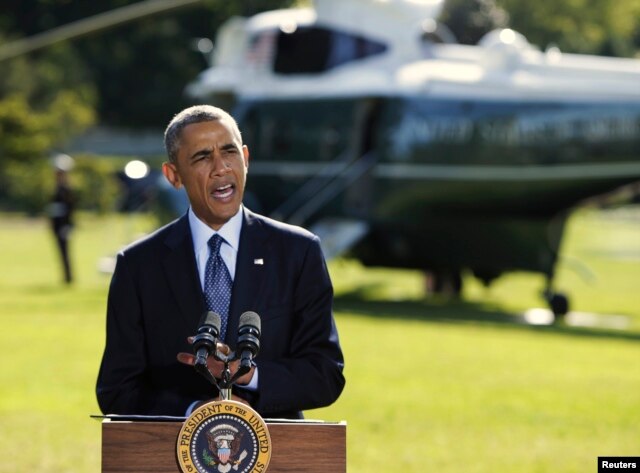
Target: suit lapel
point(250, 272)
point(182, 274)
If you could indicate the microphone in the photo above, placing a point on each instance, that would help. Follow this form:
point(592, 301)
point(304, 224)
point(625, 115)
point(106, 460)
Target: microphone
point(204, 343)
point(248, 338)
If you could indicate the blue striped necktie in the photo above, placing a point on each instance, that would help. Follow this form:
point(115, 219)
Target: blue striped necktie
point(217, 283)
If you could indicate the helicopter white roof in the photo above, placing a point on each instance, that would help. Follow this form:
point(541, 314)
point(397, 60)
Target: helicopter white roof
point(503, 65)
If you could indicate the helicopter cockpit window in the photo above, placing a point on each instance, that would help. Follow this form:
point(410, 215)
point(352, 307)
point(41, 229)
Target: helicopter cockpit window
point(312, 50)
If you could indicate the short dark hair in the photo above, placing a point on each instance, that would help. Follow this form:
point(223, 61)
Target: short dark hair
point(195, 114)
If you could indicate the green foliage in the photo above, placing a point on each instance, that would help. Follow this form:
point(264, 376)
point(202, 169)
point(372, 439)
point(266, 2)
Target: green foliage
point(27, 132)
point(41, 106)
point(95, 183)
point(469, 20)
point(29, 185)
point(23, 133)
point(582, 26)
point(27, 135)
point(608, 27)
point(140, 68)
point(30, 128)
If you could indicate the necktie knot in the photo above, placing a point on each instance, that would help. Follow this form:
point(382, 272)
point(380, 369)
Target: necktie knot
point(215, 242)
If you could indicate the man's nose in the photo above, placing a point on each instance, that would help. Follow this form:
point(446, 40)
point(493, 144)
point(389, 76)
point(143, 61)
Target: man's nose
point(219, 165)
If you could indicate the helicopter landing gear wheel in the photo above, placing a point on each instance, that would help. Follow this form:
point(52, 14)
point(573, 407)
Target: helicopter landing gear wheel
point(558, 303)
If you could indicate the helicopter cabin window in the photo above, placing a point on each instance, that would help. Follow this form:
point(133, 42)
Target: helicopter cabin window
point(314, 49)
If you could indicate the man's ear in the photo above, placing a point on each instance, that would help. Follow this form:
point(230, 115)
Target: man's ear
point(171, 174)
point(245, 151)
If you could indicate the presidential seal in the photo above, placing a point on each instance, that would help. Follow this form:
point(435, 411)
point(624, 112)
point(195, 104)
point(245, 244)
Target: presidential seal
point(222, 437)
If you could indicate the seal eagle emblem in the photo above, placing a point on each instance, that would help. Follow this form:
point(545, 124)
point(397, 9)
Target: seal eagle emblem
point(224, 437)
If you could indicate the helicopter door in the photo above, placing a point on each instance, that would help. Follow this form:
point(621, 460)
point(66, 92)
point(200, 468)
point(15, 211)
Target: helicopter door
point(359, 196)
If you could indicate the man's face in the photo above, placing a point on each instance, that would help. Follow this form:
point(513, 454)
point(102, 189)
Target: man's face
point(212, 166)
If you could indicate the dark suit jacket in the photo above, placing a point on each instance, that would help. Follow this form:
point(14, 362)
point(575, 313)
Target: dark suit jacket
point(155, 302)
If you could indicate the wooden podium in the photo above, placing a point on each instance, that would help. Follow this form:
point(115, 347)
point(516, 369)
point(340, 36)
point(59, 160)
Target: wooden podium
point(297, 446)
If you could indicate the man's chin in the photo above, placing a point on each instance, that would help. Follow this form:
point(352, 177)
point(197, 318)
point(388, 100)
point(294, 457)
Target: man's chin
point(218, 215)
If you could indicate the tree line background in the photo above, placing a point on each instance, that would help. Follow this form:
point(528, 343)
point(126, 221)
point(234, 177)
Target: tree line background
point(133, 75)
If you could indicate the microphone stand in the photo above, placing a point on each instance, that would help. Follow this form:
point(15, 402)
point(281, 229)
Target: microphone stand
point(226, 382)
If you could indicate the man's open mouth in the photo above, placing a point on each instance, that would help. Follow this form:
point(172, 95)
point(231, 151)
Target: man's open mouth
point(223, 192)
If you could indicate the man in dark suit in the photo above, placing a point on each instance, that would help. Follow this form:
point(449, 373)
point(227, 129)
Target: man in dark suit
point(158, 292)
point(61, 207)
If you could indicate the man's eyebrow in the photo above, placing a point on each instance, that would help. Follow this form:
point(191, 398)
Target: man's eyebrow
point(228, 146)
point(201, 152)
point(207, 151)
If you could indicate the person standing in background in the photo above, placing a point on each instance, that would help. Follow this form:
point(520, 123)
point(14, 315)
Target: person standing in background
point(61, 207)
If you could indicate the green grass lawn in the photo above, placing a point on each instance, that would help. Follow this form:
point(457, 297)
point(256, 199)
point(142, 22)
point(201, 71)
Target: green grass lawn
point(432, 385)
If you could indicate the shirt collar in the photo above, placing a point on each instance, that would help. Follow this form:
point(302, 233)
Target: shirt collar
point(201, 232)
